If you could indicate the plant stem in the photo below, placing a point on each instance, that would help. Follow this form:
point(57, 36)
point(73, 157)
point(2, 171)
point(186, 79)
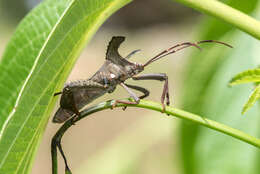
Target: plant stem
point(226, 13)
point(56, 140)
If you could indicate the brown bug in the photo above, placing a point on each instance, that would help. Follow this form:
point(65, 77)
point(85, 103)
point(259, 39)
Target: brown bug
point(115, 71)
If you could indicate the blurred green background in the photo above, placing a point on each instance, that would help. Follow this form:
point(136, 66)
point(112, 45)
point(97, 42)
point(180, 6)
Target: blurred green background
point(139, 141)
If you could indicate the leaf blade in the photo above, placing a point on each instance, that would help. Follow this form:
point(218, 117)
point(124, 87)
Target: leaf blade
point(252, 75)
point(65, 27)
point(255, 95)
point(198, 150)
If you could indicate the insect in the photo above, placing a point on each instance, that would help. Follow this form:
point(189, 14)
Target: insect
point(115, 71)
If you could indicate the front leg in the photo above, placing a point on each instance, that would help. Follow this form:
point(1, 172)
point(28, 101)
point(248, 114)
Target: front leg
point(141, 89)
point(138, 88)
point(160, 77)
point(132, 94)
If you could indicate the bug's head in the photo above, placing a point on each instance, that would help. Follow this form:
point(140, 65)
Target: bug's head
point(138, 67)
point(134, 68)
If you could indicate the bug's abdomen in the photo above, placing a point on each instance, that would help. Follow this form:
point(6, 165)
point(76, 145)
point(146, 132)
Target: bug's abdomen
point(62, 115)
point(86, 96)
point(75, 96)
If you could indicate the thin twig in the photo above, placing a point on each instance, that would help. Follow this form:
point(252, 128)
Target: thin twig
point(226, 13)
point(56, 140)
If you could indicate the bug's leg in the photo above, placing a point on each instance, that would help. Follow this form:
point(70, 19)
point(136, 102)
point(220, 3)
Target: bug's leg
point(138, 88)
point(132, 53)
point(132, 94)
point(141, 89)
point(160, 77)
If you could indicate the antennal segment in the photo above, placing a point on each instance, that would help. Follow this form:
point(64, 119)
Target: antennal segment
point(181, 46)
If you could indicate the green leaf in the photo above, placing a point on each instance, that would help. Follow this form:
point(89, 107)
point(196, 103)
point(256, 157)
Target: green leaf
point(252, 99)
point(223, 104)
point(207, 93)
point(247, 76)
point(35, 64)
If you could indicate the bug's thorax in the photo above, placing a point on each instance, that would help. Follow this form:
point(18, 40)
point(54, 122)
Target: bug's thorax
point(120, 73)
point(116, 68)
point(113, 74)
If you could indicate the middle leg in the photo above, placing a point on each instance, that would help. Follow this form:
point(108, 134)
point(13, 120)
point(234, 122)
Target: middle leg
point(132, 94)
